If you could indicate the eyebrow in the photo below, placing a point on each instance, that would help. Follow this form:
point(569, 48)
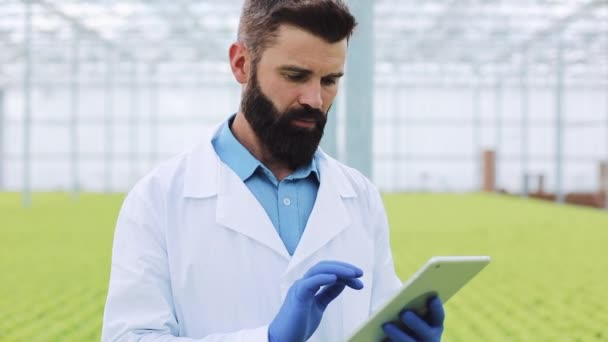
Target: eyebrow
point(293, 68)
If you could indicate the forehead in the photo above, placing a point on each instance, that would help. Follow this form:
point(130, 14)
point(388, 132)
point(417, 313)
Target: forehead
point(297, 47)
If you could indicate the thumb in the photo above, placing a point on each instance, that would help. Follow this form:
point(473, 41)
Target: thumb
point(328, 294)
point(305, 289)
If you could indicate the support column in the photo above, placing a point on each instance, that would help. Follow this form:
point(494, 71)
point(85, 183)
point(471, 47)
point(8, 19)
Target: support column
point(606, 153)
point(525, 118)
point(2, 153)
point(330, 136)
point(133, 123)
point(399, 149)
point(74, 114)
point(498, 108)
point(108, 113)
point(360, 89)
point(477, 167)
point(154, 116)
point(27, 105)
point(559, 124)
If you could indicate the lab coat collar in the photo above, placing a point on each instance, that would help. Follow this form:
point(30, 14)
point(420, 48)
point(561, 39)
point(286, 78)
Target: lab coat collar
point(239, 210)
point(207, 176)
point(201, 178)
point(233, 153)
point(239, 159)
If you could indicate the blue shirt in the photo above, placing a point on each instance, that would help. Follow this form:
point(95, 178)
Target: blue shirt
point(288, 203)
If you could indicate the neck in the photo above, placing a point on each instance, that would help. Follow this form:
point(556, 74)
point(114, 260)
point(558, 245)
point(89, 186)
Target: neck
point(246, 136)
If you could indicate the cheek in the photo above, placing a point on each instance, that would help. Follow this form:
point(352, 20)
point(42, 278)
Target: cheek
point(285, 98)
point(282, 94)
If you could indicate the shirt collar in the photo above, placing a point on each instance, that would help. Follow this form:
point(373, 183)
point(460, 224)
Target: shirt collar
point(244, 164)
point(306, 171)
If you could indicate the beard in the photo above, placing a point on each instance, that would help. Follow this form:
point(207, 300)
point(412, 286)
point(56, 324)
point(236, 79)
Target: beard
point(287, 143)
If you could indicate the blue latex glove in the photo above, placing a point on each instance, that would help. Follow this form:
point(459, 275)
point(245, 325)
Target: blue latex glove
point(304, 304)
point(418, 329)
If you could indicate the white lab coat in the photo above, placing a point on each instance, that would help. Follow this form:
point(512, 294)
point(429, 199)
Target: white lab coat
point(196, 258)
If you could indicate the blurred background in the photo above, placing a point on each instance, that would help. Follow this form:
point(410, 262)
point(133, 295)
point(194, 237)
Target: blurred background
point(442, 100)
point(94, 93)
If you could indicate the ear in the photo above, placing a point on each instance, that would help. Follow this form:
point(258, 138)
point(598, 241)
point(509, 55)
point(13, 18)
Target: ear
point(240, 62)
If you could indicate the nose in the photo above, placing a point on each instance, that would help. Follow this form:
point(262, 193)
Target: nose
point(311, 95)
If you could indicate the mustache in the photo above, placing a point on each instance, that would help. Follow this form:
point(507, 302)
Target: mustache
point(305, 113)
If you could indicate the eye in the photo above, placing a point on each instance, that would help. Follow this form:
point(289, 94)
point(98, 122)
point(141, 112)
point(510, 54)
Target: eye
point(329, 81)
point(295, 77)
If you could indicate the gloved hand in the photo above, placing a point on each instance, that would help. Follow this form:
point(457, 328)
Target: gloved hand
point(420, 330)
point(303, 307)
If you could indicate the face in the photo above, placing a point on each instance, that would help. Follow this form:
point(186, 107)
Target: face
point(289, 94)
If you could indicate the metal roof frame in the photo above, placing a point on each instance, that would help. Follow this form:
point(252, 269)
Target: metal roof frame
point(431, 39)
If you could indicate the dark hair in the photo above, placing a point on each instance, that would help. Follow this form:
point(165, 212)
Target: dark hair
point(260, 20)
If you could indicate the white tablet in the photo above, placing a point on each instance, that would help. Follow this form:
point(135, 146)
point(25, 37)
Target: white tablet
point(441, 275)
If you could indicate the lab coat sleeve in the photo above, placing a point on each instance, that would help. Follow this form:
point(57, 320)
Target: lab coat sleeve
point(140, 304)
point(386, 282)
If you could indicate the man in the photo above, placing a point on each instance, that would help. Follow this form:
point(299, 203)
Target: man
point(256, 234)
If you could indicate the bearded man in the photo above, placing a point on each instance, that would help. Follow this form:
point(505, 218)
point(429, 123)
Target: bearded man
point(256, 234)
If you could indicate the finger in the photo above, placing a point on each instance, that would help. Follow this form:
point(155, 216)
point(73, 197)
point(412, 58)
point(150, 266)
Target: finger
point(308, 287)
point(396, 334)
point(341, 269)
point(417, 325)
point(328, 294)
point(351, 282)
point(436, 312)
point(340, 263)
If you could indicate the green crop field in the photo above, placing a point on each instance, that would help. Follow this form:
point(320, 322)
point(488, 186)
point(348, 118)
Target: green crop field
point(545, 283)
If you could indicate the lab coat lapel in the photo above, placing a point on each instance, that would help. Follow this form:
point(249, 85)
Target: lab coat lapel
point(329, 216)
point(239, 210)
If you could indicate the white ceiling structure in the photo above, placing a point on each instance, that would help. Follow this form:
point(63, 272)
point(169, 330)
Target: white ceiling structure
point(185, 41)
